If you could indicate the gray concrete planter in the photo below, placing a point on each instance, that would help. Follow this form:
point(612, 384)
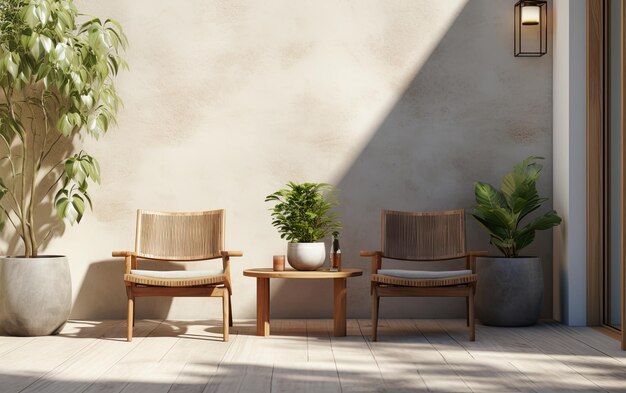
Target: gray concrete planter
point(509, 291)
point(35, 295)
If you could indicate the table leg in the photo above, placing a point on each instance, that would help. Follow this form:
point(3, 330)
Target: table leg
point(339, 309)
point(262, 306)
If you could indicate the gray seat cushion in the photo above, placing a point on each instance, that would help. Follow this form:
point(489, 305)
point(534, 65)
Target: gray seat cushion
point(177, 273)
point(424, 273)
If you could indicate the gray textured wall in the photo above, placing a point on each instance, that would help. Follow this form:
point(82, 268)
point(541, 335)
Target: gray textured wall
point(401, 104)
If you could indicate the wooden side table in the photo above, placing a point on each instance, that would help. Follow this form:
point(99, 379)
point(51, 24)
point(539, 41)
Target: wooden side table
point(263, 276)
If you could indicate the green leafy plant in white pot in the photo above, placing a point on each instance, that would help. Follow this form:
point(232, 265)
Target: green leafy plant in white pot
point(510, 288)
point(303, 216)
point(57, 69)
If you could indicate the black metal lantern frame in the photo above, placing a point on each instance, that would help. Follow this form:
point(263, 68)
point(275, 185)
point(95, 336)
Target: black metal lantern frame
point(518, 50)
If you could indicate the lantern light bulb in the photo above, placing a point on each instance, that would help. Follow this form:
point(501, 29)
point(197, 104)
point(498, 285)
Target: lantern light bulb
point(530, 15)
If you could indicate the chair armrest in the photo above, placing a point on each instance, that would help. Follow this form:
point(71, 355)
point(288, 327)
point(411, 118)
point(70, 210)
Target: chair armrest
point(130, 259)
point(376, 259)
point(124, 254)
point(471, 259)
point(478, 253)
point(371, 253)
point(231, 253)
point(226, 266)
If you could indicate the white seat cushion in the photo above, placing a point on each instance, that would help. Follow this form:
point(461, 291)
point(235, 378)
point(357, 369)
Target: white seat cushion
point(177, 273)
point(423, 273)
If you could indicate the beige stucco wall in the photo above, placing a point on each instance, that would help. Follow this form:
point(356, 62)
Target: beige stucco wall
point(402, 104)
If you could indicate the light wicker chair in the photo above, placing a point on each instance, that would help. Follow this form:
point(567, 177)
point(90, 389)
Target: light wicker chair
point(435, 236)
point(179, 237)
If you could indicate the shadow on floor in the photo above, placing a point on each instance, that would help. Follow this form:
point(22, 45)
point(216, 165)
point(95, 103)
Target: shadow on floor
point(412, 356)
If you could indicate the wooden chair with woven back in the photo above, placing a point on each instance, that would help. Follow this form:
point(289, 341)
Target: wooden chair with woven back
point(426, 237)
point(179, 237)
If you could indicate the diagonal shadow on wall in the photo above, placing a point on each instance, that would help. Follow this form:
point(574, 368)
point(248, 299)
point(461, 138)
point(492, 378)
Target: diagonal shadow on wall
point(470, 113)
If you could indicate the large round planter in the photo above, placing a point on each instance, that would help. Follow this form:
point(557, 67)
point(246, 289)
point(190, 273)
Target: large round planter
point(509, 291)
point(35, 295)
point(306, 256)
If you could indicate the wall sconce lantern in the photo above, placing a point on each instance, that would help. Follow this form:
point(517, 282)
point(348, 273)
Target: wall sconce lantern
point(531, 25)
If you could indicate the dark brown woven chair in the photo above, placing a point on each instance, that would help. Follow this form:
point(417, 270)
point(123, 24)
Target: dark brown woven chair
point(179, 237)
point(435, 236)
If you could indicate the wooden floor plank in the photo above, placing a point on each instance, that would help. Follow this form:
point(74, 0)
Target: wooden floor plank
point(198, 355)
point(396, 354)
point(92, 361)
point(246, 367)
point(9, 344)
point(356, 365)
point(304, 356)
point(138, 369)
point(24, 366)
point(595, 339)
point(546, 373)
point(443, 369)
point(489, 357)
point(168, 356)
point(318, 341)
point(601, 371)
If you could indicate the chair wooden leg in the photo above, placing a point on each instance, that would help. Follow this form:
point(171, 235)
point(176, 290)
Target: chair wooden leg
point(230, 310)
point(467, 318)
point(470, 314)
point(375, 304)
point(131, 318)
point(226, 308)
point(134, 312)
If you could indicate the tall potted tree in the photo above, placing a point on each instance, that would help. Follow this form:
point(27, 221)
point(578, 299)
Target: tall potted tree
point(56, 77)
point(510, 288)
point(303, 216)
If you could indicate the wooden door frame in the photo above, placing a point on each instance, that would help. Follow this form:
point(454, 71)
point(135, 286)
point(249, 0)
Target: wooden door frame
point(598, 185)
point(623, 171)
point(596, 159)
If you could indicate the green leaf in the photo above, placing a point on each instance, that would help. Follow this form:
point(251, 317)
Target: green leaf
point(31, 15)
point(64, 126)
point(487, 195)
point(79, 206)
point(3, 189)
point(70, 205)
point(54, 64)
point(500, 212)
point(34, 45)
point(546, 221)
point(87, 100)
point(11, 65)
point(523, 238)
point(302, 212)
point(46, 43)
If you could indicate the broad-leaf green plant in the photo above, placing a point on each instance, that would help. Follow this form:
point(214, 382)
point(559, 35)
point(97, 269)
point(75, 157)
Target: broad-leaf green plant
point(57, 69)
point(303, 212)
point(501, 212)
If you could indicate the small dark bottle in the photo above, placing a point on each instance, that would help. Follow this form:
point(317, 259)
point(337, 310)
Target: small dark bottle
point(335, 254)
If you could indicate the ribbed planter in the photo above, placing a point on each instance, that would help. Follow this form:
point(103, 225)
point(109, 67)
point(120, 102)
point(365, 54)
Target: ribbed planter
point(306, 256)
point(509, 291)
point(35, 295)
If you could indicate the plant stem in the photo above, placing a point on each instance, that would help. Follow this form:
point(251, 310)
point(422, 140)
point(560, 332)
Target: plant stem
point(28, 246)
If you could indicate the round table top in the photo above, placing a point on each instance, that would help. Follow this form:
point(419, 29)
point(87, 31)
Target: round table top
point(268, 272)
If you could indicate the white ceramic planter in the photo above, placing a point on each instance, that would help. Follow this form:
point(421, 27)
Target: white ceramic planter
point(35, 295)
point(306, 256)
